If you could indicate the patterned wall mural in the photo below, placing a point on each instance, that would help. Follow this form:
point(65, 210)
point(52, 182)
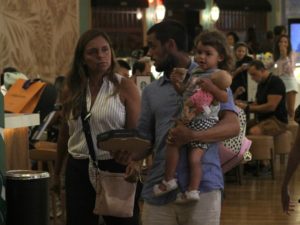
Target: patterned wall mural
point(38, 36)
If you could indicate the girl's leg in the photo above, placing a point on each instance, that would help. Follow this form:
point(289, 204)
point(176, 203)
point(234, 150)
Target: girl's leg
point(290, 100)
point(195, 157)
point(172, 157)
point(168, 183)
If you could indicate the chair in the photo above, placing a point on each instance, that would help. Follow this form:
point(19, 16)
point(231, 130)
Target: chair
point(262, 148)
point(283, 143)
point(44, 154)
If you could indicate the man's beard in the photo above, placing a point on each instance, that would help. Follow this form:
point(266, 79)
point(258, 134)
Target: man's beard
point(167, 65)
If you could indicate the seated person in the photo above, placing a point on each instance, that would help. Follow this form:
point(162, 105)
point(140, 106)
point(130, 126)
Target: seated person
point(270, 106)
point(271, 117)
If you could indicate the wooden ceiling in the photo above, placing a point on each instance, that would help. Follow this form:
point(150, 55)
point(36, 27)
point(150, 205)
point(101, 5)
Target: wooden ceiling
point(121, 3)
point(244, 5)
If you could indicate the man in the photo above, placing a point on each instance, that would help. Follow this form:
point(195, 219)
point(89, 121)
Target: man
point(270, 106)
point(159, 104)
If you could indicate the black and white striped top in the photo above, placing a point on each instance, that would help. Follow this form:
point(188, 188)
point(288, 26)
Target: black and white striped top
point(107, 113)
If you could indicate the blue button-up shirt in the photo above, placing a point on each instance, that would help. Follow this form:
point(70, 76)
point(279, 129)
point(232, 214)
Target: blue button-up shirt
point(159, 104)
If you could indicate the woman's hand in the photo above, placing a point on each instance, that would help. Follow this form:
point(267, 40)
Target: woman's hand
point(287, 206)
point(132, 171)
point(123, 157)
point(240, 90)
point(244, 67)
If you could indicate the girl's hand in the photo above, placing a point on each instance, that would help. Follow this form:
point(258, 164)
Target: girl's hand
point(178, 75)
point(206, 84)
point(123, 157)
point(287, 206)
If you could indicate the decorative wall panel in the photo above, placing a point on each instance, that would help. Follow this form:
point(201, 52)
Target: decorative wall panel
point(38, 36)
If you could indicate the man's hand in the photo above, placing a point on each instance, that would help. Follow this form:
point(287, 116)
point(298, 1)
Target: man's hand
point(179, 135)
point(241, 104)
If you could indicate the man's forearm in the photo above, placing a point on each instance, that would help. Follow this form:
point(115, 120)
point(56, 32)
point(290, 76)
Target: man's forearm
point(263, 108)
point(227, 127)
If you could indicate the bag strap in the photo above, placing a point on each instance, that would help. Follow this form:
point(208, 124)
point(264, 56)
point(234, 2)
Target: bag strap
point(28, 83)
point(85, 118)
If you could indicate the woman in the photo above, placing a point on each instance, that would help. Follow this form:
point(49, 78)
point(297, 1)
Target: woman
point(284, 68)
point(232, 38)
point(294, 159)
point(239, 84)
point(113, 102)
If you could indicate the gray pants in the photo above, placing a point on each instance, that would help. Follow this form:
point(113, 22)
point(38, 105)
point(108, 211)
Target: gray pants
point(206, 211)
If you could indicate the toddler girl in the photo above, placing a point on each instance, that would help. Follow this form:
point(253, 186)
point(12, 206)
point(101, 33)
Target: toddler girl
point(201, 92)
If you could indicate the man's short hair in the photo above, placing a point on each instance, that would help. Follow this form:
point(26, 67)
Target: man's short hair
point(171, 29)
point(124, 64)
point(257, 64)
point(138, 65)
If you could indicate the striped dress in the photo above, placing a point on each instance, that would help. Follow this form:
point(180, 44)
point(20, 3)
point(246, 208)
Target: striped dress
point(107, 113)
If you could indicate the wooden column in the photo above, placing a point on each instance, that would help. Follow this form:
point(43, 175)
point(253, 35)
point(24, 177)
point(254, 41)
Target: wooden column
point(2, 166)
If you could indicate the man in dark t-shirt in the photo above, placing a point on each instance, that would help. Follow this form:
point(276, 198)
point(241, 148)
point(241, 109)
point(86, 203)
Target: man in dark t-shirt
point(270, 106)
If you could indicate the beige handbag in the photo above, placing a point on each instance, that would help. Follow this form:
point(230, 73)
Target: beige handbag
point(114, 195)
